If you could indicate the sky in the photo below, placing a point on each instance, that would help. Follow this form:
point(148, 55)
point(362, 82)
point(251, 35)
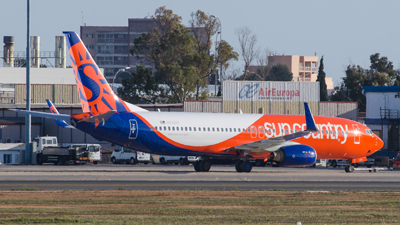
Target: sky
point(345, 32)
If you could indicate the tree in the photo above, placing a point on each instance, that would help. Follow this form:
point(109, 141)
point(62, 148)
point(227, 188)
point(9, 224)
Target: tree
point(263, 67)
point(172, 50)
point(381, 73)
point(351, 87)
point(323, 93)
point(203, 27)
point(279, 73)
point(248, 49)
point(141, 87)
point(182, 57)
point(225, 54)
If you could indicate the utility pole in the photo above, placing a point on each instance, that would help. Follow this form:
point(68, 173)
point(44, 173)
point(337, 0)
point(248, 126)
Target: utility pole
point(28, 87)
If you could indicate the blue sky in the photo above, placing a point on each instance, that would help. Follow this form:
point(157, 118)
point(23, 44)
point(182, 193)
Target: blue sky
point(345, 32)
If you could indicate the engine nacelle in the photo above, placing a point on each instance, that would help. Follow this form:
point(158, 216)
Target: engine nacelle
point(295, 155)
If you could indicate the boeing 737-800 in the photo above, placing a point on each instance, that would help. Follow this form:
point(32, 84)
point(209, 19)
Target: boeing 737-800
point(290, 140)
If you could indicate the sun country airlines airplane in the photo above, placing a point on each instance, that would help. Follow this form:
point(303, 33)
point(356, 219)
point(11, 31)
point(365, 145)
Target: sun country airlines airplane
point(290, 140)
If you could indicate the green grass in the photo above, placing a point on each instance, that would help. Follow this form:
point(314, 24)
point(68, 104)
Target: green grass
point(200, 207)
point(25, 189)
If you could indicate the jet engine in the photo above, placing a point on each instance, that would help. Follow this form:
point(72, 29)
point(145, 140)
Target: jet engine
point(294, 155)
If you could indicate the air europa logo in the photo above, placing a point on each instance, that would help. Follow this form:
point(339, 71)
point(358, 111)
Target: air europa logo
point(248, 91)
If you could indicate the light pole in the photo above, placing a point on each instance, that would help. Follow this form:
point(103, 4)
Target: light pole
point(120, 70)
point(220, 36)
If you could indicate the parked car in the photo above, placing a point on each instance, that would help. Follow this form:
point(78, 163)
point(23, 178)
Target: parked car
point(337, 162)
point(129, 156)
point(183, 160)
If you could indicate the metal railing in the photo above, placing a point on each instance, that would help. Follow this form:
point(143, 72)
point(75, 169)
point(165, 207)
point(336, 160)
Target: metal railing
point(389, 113)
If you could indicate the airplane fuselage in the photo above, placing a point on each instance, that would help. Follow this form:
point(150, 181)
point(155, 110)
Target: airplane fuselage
point(213, 134)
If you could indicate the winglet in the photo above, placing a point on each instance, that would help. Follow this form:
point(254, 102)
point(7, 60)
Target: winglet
point(310, 122)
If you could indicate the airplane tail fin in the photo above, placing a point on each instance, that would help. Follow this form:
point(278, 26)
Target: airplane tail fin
point(94, 91)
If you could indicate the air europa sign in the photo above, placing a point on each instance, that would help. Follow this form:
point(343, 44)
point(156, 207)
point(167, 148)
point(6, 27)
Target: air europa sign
point(250, 91)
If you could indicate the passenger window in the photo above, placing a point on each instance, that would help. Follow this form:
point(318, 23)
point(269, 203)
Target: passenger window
point(217, 129)
point(230, 129)
point(222, 129)
point(208, 129)
point(213, 129)
point(234, 129)
point(194, 128)
point(169, 128)
point(185, 128)
point(248, 130)
point(190, 128)
point(204, 129)
point(165, 128)
point(173, 128)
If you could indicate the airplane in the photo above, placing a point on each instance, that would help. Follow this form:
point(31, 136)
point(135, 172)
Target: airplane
point(54, 110)
point(290, 140)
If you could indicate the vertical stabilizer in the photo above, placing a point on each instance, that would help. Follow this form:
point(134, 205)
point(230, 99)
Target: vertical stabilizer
point(94, 91)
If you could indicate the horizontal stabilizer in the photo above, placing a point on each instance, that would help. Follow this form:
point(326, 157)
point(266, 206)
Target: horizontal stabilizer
point(99, 118)
point(54, 110)
point(44, 114)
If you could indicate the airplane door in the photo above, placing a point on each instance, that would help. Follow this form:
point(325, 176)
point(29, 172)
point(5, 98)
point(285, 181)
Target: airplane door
point(261, 132)
point(357, 134)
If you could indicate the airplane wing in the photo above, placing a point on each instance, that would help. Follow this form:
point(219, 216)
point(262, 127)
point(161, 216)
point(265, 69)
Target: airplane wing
point(273, 144)
point(54, 110)
point(44, 114)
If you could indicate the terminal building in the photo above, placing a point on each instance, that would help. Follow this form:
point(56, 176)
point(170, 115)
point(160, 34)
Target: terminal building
point(383, 114)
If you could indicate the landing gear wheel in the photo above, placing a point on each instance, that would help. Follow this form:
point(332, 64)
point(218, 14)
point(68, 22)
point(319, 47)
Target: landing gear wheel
point(196, 166)
point(205, 165)
point(182, 161)
point(334, 164)
point(349, 169)
point(246, 166)
point(162, 161)
point(238, 166)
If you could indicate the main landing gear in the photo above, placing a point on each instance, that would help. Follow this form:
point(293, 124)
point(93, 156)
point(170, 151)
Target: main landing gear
point(202, 165)
point(243, 166)
point(349, 168)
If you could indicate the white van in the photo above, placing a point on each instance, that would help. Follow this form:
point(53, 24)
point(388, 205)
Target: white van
point(126, 155)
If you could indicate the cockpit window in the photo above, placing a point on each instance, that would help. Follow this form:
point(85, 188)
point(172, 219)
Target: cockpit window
point(368, 131)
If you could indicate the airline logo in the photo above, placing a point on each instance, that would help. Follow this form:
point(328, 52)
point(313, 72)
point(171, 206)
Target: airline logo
point(326, 131)
point(133, 131)
point(249, 91)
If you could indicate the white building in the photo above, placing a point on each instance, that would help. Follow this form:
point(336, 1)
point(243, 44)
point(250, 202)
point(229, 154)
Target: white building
point(12, 153)
point(383, 114)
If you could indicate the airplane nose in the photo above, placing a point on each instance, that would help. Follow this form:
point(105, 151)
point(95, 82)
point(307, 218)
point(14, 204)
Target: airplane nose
point(378, 143)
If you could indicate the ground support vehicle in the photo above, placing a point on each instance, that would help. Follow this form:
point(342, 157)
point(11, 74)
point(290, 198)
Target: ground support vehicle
point(48, 151)
point(62, 155)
